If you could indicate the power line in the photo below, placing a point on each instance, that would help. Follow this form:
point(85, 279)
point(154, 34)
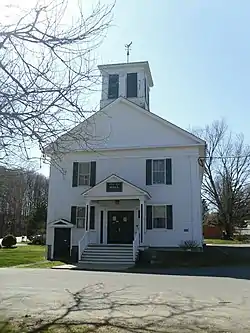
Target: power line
point(222, 157)
point(202, 159)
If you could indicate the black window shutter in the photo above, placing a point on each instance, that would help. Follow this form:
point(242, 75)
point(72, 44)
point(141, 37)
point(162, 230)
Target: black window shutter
point(87, 215)
point(113, 89)
point(148, 172)
point(75, 174)
point(132, 85)
point(73, 214)
point(168, 171)
point(92, 218)
point(141, 217)
point(101, 228)
point(148, 96)
point(169, 217)
point(149, 217)
point(92, 173)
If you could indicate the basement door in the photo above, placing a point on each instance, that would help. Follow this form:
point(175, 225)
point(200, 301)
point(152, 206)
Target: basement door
point(62, 243)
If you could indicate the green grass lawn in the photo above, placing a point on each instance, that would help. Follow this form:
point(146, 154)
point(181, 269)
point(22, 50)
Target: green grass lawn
point(222, 241)
point(21, 255)
point(46, 264)
point(31, 255)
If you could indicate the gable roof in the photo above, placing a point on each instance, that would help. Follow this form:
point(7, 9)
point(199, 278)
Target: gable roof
point(155, 117)
point(117, 178)
point(61, 223)
point(197, 141)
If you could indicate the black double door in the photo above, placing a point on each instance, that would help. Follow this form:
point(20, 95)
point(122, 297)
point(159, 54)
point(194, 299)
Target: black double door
point(120, 227)
point(62, 243)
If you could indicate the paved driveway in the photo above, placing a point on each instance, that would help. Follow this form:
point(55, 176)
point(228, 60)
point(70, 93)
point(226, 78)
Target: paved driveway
point(168, 299)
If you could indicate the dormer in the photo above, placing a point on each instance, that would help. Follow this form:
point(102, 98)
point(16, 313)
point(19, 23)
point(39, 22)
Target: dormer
point(131, 80)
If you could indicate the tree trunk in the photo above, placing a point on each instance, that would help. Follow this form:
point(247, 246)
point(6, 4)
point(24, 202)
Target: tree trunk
point(229, 230)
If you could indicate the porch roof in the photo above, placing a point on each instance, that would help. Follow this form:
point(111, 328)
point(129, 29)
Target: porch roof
point(127, 190)
point(61, 223)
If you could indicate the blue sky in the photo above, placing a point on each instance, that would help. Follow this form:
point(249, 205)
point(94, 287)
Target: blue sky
point(199, 53)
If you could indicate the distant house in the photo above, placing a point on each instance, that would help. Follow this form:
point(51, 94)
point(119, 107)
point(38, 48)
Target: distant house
point(244, 231)
point(212, 231)
point(140, 187)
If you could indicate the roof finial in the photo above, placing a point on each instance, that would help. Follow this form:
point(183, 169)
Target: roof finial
point(128, 48)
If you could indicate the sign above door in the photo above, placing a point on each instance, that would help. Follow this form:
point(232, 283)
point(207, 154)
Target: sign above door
point(114, 186)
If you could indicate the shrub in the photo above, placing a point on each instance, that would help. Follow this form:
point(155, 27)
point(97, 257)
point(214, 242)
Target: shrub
point(38, 240)
point(9, 241)
point(189, 244)
point(242, 238)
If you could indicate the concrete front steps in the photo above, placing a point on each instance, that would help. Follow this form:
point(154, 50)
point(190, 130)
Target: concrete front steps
point(111, 255)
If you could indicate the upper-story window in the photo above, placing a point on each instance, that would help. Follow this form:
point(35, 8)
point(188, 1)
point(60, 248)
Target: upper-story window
point(84, 173)
point(132, 85)
point(159, 171)
point(113, 89)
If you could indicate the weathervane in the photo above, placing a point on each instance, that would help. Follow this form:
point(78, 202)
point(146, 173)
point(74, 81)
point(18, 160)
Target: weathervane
point(128, 48)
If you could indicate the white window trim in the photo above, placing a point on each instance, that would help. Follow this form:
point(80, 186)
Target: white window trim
point(78, 217)
point(78, 181)
point(155, 205)
point(159, 159)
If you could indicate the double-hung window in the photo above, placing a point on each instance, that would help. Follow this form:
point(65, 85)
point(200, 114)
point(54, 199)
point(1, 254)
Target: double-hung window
point(159, 171)
point(159, 217)
point(80, 217)
point(84, 174)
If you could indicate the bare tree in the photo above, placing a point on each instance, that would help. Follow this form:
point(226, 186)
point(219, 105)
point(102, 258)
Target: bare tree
point(23, 201)
point(226, 175)
point(47, 71)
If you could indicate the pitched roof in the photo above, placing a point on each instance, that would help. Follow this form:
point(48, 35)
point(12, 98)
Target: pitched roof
point(198, 141)
point(119, 179)
point(155, 117)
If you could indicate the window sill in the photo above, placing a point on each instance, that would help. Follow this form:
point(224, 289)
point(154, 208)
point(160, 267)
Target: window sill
point(81, 186)
point(160, 184)
point(159, 229)
point(84, 229)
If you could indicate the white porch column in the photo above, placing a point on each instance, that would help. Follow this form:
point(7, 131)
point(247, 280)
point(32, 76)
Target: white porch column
point(142, 220)
point(87, 213)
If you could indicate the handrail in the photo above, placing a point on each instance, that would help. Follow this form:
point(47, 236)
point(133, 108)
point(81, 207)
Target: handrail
point(82, 244)
point(136, 243)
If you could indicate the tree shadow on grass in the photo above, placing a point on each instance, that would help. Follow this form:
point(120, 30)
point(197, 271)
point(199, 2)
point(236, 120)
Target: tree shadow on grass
point(93, 310)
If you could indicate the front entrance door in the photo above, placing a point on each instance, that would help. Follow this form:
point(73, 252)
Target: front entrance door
point(62, 243)
point(120, 227)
